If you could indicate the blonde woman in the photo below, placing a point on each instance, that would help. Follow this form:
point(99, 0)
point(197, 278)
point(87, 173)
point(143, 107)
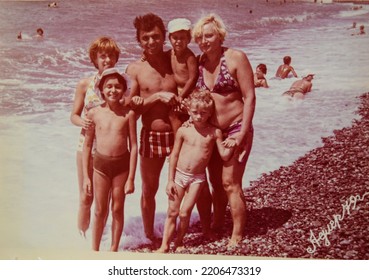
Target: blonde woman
point(228, 75)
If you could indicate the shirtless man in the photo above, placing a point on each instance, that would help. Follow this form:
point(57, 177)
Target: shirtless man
point(301, 87)
point(152, 78)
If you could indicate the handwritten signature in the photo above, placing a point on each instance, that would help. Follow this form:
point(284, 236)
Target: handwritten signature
point(347, 207)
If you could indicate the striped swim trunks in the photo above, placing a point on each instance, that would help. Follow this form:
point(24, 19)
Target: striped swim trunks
point(156, 144)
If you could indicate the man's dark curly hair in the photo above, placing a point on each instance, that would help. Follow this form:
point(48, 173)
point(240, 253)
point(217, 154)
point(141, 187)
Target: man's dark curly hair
point(147, 23)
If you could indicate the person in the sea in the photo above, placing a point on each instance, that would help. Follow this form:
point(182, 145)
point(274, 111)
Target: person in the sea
point(259, 76)
point(19, 36)
point(115, 159)
point(227, 73)
point(152, 79)
point(39, 33)
point(191, 153)
point(104, 53)
point(361, 31)
point(285, 69)
point(300, 87)
point(353, 25)
point(356, 7)
point(52, 5)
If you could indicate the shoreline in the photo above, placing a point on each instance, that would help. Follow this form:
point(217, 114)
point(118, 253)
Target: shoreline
point(315, 208)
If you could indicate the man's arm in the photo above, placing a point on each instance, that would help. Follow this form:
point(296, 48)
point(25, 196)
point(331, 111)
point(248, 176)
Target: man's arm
point(132, 128)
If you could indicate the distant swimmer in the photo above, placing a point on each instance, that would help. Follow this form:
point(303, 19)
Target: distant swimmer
point(259, 76)
point(301, 87)
point(353, 25)
point(361, 31)
point(53, 5)
point(19, 36)
point(285, 69)
point(355, 8)
point(39, 33)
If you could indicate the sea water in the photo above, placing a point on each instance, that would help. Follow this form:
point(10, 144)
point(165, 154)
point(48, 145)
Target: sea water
point(38, 191)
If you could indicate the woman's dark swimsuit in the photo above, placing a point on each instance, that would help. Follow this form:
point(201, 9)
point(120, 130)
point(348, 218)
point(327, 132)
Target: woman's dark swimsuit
point(224, 84)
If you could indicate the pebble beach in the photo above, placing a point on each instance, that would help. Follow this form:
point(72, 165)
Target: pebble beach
point(315, 208)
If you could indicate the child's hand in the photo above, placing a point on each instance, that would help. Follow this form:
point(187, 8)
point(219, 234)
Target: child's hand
point(87, 186)
point(87, 124)
point(229, 142)
point(136, 101)
point(171, 190)
point(129, 187)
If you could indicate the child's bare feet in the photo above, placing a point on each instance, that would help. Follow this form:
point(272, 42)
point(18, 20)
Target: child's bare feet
point(162, 250)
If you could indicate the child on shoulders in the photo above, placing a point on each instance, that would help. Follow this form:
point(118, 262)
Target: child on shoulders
point(183, 62)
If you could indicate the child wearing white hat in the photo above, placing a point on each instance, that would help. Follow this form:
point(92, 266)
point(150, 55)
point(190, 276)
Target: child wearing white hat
point(183, 60)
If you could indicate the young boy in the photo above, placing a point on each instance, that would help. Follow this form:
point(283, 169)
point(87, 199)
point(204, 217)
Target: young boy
point(183, 61)
point(191, 153)
point(115, 159)
point(104, 53)
point(285, 69)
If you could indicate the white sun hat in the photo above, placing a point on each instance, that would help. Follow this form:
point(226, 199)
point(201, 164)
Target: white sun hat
point(179, 24)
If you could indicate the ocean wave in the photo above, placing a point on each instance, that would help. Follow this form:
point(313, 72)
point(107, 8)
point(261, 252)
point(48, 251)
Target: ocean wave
point(351, 13)
point(11, 82)
point(278, 20)
point(56, 59)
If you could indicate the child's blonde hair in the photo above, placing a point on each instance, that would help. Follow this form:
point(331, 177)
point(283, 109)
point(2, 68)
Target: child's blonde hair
point(103, 44)
point(200, 98)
